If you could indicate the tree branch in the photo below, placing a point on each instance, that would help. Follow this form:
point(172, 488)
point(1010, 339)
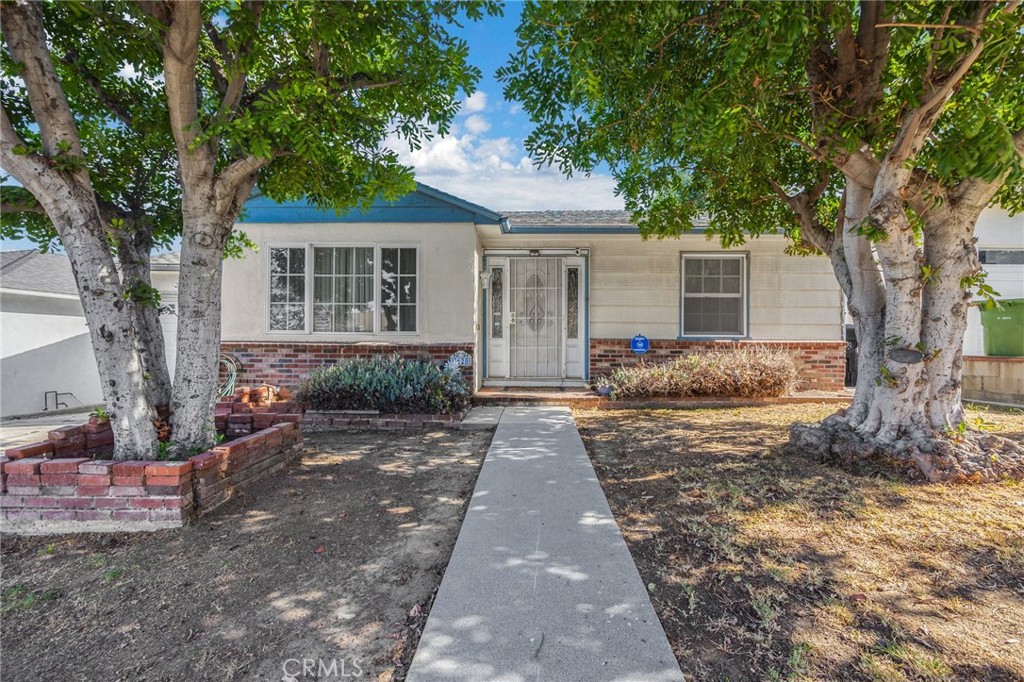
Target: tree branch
point(977, 193)
point(21, 207)
point(116, 107)
point(239, 170)
point(180, 53)
point(26, 39)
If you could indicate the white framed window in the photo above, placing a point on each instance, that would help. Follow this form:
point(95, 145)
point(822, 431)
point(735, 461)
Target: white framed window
point(343, 289)
point(288, 297)
point(713, 300)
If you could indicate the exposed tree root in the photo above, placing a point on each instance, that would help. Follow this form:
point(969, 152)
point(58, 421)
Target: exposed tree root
point(967, 457)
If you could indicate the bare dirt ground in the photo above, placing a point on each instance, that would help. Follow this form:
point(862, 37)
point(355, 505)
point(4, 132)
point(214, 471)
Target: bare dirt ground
point(333, 563)
point(764, 566)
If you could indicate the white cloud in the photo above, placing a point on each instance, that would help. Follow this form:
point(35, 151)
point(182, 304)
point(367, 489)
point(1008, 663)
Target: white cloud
point(495, 172)
point(475, 102)
point(477, 124)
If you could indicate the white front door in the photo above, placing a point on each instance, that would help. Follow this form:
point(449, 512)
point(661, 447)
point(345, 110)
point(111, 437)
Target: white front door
point(535, 318)
point(535, 324)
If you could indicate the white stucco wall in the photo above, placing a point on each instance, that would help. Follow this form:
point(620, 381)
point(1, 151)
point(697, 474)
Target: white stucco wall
point(635, 285)
point(166, 282)
point(996, 229)
point(44, 346)
point(447, 280)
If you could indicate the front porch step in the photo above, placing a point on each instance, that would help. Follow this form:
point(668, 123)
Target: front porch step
point(521, 395)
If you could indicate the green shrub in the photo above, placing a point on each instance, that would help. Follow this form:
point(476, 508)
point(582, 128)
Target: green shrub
point(388, 384)
point(756, 372)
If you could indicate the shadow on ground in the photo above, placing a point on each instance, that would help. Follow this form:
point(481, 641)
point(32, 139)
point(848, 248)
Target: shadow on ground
point(335, 561)
point(768, 566)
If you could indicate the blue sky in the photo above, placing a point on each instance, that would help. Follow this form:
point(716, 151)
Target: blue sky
point(483, 159)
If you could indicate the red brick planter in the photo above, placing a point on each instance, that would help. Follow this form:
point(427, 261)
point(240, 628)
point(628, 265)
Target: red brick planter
point(341, 420)
point(59, 485)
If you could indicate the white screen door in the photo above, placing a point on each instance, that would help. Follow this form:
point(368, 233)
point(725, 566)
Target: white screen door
point(535, 318)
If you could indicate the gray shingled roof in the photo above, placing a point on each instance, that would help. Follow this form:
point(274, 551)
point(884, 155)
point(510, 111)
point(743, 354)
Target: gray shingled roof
point(572, 218)
point(569, 218)
point(35, 271)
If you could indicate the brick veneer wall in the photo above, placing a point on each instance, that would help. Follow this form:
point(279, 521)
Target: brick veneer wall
point(821, 365)
point(285, 364)
point(57, 486)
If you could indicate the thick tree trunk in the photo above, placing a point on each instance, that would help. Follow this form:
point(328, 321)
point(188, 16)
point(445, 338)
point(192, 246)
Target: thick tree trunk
point(951, 255)
point(898, 407)
point(866, 302)
point(199, 314)
point(67, 196)
point(133, 253)
point(109, 318)
point(907, 410)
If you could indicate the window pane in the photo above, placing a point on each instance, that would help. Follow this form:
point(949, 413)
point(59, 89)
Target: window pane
point(497, 291)
point(407, 318)
point(323, 290)
point(693, 267)
point(362, 261)
point(323, 261)
point(389, 318)
point(278, 261)
point(712, 285)
point(712, 266)
point(388, 262)
point(408, 262)
point(297, 261)
point(572, 292)
point(731, 267)
point(731, 285)
point(296, 288)
point(323, 317)
point(694, 285)
point(406, 289)
point(278, 289)
point(296, 317)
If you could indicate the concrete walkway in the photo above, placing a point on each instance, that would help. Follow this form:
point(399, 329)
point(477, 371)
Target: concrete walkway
point(541, 585)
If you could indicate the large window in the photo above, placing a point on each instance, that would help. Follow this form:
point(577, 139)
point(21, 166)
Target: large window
point(714, 295)
point(353, 289)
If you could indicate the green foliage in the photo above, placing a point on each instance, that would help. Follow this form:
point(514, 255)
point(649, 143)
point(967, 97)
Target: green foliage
point(238, 243)
point(145, 294)
point(100, 414)
point(389, 384)
point(747, 373)
point(697, 106)
point(976, 283)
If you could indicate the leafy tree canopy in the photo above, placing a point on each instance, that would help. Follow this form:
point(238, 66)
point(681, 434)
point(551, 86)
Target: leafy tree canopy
point(702, 106)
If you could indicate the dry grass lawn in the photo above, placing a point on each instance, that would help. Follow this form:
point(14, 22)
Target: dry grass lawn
point(764, 566)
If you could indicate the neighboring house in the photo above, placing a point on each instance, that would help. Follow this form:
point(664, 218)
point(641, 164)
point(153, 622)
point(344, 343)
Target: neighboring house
point(163, 271)
point(1001, 250)
point(546, 298)
point(46, 357)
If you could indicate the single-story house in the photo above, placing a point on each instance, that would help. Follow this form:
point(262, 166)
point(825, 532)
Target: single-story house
point(538, 298)
point(46, 357)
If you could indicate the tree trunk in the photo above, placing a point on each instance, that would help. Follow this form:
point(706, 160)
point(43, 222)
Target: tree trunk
point(907, 410)
point(866, 301)
point(133, 253)
point(67, 196)
point(951, 256)
point(199, 314)
point(898, 407)
point(109, 318)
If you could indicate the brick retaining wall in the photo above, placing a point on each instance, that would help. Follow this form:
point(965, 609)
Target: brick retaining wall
point(821, 365)
point(59, 486)
point(286, 364)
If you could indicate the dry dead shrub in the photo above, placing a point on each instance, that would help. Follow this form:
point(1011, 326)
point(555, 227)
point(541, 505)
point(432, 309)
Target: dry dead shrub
point(753, 372)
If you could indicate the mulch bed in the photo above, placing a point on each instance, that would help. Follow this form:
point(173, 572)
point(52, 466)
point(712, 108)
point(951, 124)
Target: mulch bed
point(335, 560)
point(765, 566)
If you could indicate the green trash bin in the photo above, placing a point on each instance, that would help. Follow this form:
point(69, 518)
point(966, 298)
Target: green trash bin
point(1004, 328)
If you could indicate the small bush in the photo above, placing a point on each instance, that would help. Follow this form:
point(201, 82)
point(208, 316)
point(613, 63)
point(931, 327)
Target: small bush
point(757, 372)
point(388, 384)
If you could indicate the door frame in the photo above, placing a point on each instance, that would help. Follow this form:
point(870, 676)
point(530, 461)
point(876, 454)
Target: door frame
point(571, 257)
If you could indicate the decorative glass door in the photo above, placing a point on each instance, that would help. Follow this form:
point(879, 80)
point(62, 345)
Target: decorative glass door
point(536, 295)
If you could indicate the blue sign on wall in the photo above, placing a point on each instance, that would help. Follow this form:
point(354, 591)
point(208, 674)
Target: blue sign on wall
point(461, 359)
point(639, 345)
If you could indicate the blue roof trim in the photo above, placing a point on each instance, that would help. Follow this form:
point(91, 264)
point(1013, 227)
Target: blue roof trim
point(424, 205)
